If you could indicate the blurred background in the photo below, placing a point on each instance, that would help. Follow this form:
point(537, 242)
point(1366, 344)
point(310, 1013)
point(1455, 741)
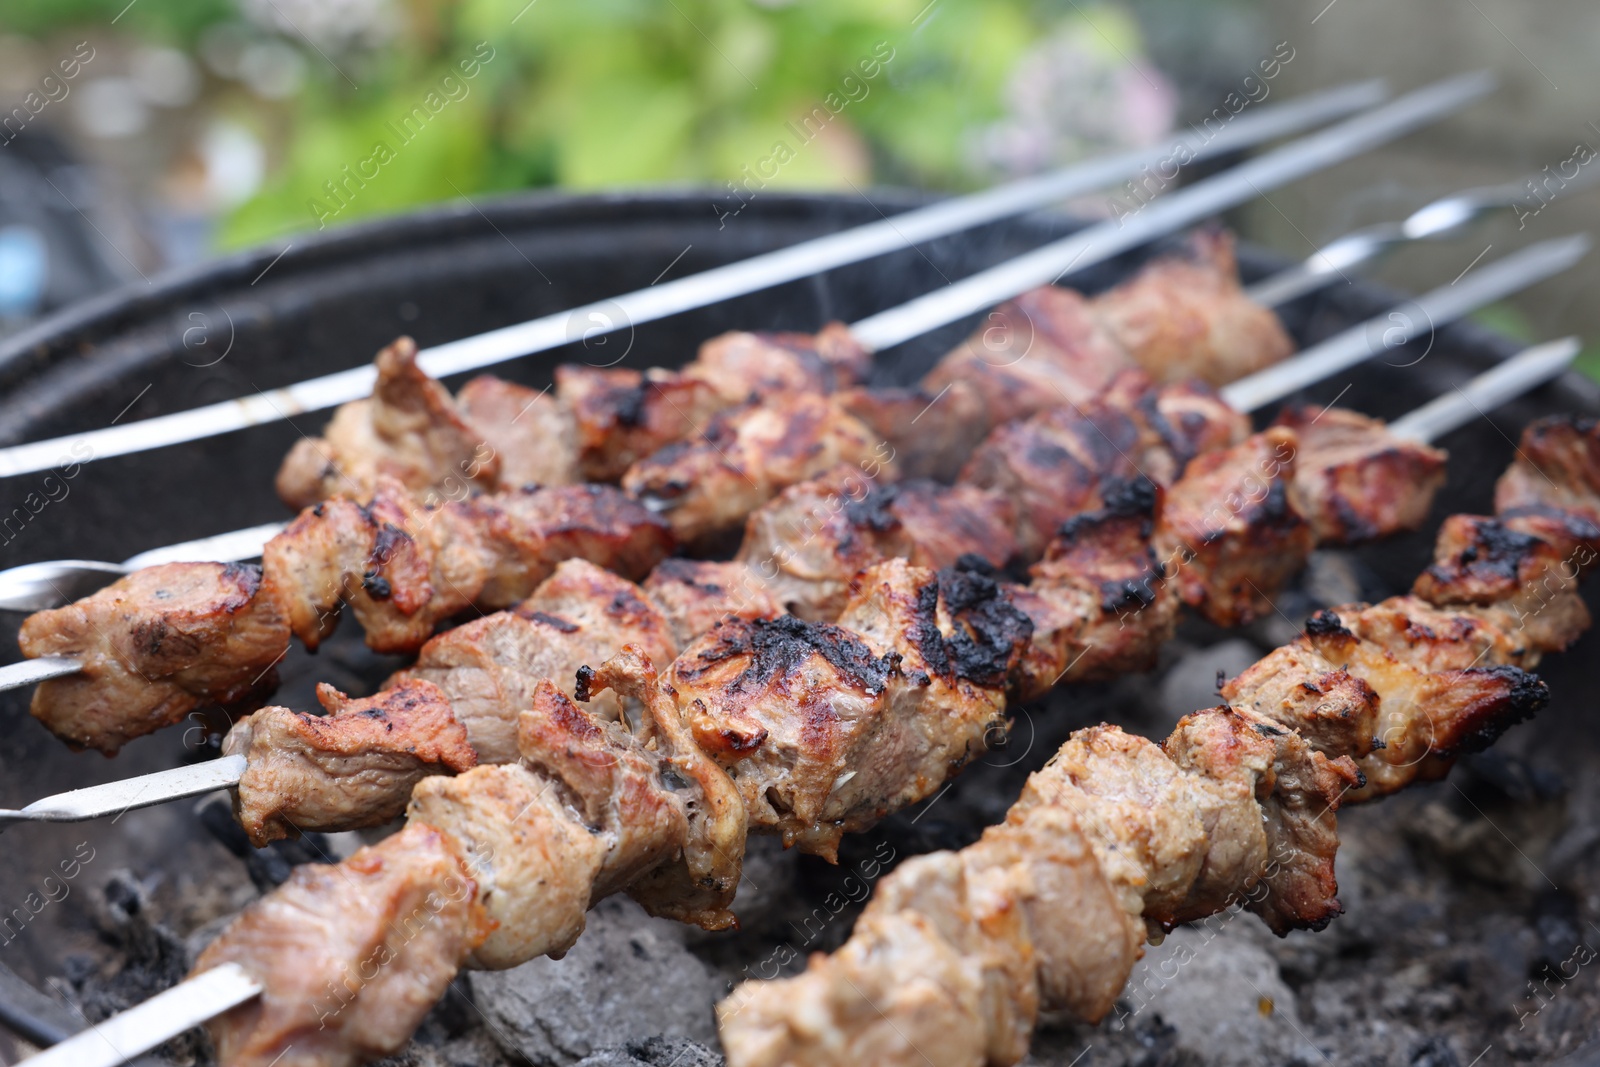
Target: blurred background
point(145, 135)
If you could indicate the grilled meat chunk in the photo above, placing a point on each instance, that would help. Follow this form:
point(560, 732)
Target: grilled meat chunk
point(1556, 477)
point(533, 859)
point(529, 432)
point(404, 568)
point(156, 645)
point(409, 430)
point(933, 432)
point(807, 545)
point(1357, 480)
point(1100, 601)
point(1052, 466)
point(696, 594)
point(351, 957)
point(1186, 316)
point(747, 456)
point(351, 768)
point(959, 952)
point(699, 883)
point(1418, 713)
point(1042, 350)
point(623, 416)
point(825, 728)
point(741, 365)
point(490, 669)
point(1233, 529)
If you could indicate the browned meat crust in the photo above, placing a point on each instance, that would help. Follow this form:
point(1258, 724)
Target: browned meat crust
point(352, 956)
point(1100, 601)
point(1357, 480)
point(697, 594)
point(621, 416)
point(1233, 529)
point(348, 769)
point(156, 645)
point(491, 668)
point(403, 568)
point(806, 546)
point(1045, 349)
point(747, 456)
point(826, 728)
point(529, 432)
point(1053, 464)
point(410, 430)
point(1187, 317)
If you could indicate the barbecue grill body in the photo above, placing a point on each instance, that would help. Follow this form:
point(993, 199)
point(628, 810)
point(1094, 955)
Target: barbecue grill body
point(317, 303)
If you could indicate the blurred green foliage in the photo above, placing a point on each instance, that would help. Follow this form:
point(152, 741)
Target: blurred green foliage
point(626, 92)
point(590, 94)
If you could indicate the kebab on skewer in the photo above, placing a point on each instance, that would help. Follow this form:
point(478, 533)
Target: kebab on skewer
point(403, 570)
point(185, 674)
point(1048, 910)
point(1118, 837)
point(755, 413)
point(804, 551)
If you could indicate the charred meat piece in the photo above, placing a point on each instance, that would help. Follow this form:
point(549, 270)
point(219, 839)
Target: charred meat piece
point(404, 568)
point(1509, 581)
point(531, 856)
point(1100, 601)
point(695, 595)
point(708, 487)
point(529, 432)
point(1052, 466)
point(348, 769)
point(351, 956)
point(409, 430)
point(622, 416)
point(1357, 480)
point(933, 432)
point(156, 645)
point(1422, 713)
point(825, 728)
point(807, 545)
point(1045, 349)
point(1233, 530)
point(1186, 316)
point(489, 669)
point(1553, 486)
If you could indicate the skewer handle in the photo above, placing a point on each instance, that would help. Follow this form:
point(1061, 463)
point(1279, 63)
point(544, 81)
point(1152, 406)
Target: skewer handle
point(158, 1020)
point(114, 798)
point(1529, 368)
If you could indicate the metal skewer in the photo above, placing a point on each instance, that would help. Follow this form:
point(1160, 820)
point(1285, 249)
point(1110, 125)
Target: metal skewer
point(1095, 244)
point(41, 585)
point(699, 290)
point(1444, 218)
point(158, 1020)
point(36, 586)
point(1499, 385)
point(215, 991)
